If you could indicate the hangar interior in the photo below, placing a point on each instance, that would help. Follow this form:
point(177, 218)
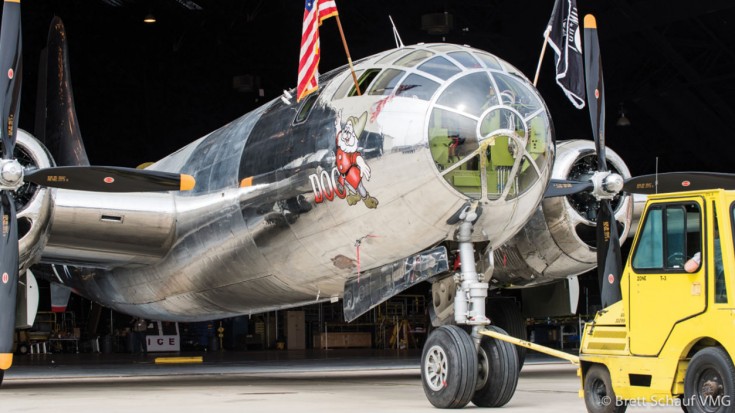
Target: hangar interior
point(142, 91)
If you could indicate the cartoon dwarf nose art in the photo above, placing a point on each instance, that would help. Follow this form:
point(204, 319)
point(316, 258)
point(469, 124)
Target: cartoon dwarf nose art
point(350, 164)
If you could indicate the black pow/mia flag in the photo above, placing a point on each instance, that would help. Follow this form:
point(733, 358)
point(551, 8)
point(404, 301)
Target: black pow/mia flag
point(565, 38)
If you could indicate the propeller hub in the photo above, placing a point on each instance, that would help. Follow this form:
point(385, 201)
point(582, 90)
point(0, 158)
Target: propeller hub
point(607, 185)
point(11, 174)
point(613, 183)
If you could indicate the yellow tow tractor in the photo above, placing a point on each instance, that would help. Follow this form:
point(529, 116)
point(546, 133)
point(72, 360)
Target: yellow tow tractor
point(670, 339)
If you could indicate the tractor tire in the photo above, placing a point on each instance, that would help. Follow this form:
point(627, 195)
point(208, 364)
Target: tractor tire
point(599, 396)
point(709, 383)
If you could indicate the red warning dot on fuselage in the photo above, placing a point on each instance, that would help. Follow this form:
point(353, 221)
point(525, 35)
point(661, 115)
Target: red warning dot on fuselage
point(109, 180)
point(6, 277)
point(11, 73)
point(685, 183)
point(611, 278)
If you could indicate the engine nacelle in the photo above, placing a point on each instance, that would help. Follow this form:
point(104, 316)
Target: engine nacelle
point(33, 204)
point(559, 240)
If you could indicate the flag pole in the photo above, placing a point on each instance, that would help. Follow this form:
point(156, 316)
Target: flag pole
point(541, 58)
point(347, 51)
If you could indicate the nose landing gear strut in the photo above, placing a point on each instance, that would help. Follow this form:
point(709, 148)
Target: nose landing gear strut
point(458, 367)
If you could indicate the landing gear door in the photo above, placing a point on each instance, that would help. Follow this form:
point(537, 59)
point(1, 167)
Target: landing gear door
point(671, 235)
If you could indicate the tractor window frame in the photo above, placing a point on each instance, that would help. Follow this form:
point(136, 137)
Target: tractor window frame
point(720, 278)
point(671, 233)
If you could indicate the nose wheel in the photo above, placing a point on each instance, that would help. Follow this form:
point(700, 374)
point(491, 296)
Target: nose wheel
point(498, 371)
point(449, 367)
point(454, 371)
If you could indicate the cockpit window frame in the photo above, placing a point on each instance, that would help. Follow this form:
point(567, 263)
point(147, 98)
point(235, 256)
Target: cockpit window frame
point(394, 78)
point(415, 58)
point(439, 67)
point(489, 61)
point(306, 107)
point(464, 57)
point(425, 95)
point(365, 80)
point(391, 57)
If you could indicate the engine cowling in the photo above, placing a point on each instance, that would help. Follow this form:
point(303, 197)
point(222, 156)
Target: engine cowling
point(559, 239)
point(33, 204)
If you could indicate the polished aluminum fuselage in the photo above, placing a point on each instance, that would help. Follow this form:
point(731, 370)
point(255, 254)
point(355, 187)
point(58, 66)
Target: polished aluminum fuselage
point(259, 231)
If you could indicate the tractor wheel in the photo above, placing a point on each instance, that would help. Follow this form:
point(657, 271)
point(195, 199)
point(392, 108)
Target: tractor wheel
point(709, 383)
point(599, 396)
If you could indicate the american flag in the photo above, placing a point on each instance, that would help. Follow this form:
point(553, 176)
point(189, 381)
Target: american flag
point(315, 12)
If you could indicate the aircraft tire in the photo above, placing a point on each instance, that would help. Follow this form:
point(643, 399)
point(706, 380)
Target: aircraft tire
point(599, 396)
point(504, 313)
point(449, 367)
point(497, 373)
point(709, 383)
point(2, 374)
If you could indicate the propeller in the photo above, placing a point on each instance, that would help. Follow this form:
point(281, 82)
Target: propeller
point(109, 179)
point(604, 185)
point(10, 81)
point(12, 175)
point(609, 262)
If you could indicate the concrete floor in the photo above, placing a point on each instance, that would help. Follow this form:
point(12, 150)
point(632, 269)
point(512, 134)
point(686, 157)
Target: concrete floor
point(273, 382)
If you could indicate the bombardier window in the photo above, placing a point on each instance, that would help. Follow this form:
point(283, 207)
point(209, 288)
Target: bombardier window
point(484, 146)
point(440, 67)
point(418, 87)
point(385, 83)
point(515, 94)
point(472, 94)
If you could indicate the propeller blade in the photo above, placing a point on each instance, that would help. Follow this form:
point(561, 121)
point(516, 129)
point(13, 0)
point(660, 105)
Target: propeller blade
point(110, 179)
point(595, 87)
point(609, 261)
point(678, 181)
point(10, 74)
point(8, 276)
point(563, 187)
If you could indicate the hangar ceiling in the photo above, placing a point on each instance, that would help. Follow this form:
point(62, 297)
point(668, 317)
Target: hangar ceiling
point(142, 91)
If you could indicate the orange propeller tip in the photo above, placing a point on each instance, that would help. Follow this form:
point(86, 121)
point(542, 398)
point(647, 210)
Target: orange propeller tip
point(187, 182)
point(590, 22)
point(6, 360)
point(246, 182)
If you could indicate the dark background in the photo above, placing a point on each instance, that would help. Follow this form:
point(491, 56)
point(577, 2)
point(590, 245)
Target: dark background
point(142, 91)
